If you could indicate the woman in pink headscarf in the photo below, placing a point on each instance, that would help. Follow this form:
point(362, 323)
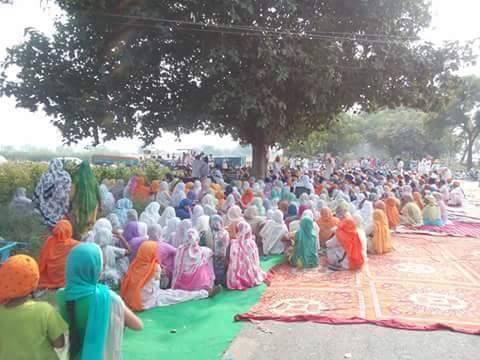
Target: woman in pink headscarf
point(244, 269)
point(193, 265)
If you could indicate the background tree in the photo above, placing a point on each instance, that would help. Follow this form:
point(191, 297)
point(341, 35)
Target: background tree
point(261, 71)
point(462, 114)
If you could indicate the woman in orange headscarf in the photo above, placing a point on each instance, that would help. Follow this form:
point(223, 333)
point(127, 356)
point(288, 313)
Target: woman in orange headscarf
point(326, 222)
point(344, 251)
point(155, 188)
point(381, 241)
point(53, 256)
point(220, 196)
point(140, 192)
point(391, 209)
point(141, 285)
point(418, 199)
point(247, 198)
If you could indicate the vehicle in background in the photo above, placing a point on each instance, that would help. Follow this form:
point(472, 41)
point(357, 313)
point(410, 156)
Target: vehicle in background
point(69, 159)
point(125, 160)
point(233, 162)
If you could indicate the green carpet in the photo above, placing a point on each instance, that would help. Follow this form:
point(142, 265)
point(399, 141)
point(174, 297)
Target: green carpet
point(203, 329)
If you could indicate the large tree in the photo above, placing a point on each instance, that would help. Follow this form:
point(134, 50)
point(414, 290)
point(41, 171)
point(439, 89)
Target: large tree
point(259, 70)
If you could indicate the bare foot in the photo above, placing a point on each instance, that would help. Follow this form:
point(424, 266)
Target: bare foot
point(215, 291)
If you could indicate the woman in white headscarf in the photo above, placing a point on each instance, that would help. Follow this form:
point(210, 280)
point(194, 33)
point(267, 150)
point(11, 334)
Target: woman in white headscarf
point(303, 182)
point(229, 202)
point(168, 213)
point(274, 234)
point(52, 194)
point(178, 194)
point(151, 214)
point(107, 200)
point(115, 260)
point(196, 213)
point(210, 200)
point(168, 232)
point(181, 232)
point(163, 196)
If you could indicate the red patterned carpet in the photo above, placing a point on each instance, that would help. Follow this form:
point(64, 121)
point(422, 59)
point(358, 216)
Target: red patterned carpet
point(427, 283)
point(456, 228)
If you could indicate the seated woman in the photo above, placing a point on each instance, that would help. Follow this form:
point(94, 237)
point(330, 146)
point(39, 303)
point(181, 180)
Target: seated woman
point(411, 214)
point(165, 254)
point(53, 256)
point(121, 210)
point(168, 232)
point(243, 270)
point(457, 196)
point(432, 215)
point(247, 198)
point(344, 250)
point(274, 235)
point(197, 212)
point(96, 315)
point(151, 214)
point(221, 241)
point(327, 224)
point(305, 250)
point(443, 207)
point(361, 231)
point(139, 234)
point(180, 237)
point(163, 196)
point(392, 212)
point(381, 240)
point(178, 194)
point(184, 209)
point(193, 265)
point(256, 222)
point(234, 216)
point(30, 329)
point(258, 203)
point(418, 200)
point(107, 200)
point(21, 205)
point(141, 286)
point(115, 258)
point(168, 213)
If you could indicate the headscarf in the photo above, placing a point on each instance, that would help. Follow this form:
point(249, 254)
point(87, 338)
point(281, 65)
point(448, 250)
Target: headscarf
point(382, 240)
point(209, 200)
point(272, 233)
point(259, 204)
point(220, 196)
point(139, 273)
point(107, 199)
point(244, 270)
point(252, 218)
point(151, 214)
point(131, 231)
point(168, 213)
point(132, 215)
point(178, 194)
point(101, 223)
point(418, 199)
point(305, 252)
point(52, 194)
point(431, 212)
point(348, 237)
point(163, 196)
point(228, 203)
point(196, 213)
point(155, 186)
point(182, 209)
point(411, 213)
point(19, 276)
point(123, 205)
point(114, 221)
point(391, 209)
point(190, 258)
point(380, 205)
point(140, 192)
point(154, 232)
point(86, 197)
point(21, 205)
point(181, 233)
point(209, 211)
point(221, 239)
point(53, 255)
point(234, 214)
point(326, 223)
point(84, 266)
point(247, 197)
point(168, 232)
point(117, 189)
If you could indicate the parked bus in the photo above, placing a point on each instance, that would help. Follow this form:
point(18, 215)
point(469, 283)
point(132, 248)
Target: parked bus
point(125, 160)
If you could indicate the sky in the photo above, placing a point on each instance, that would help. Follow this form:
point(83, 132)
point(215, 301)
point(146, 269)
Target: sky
point(452, 20)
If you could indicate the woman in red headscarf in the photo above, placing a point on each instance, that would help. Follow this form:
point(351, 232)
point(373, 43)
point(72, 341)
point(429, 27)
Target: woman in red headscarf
point(344, 251)
point(247, 198)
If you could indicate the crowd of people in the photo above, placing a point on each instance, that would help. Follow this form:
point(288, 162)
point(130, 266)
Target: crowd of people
point(192, 239)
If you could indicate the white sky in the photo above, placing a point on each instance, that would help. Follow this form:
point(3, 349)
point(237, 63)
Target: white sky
point(452, 20)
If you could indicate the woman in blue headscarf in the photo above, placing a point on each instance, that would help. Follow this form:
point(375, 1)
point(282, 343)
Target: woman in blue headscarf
point(95, 314)
point(184, 210)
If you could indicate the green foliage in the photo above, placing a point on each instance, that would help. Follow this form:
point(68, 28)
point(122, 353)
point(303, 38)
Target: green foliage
point(109, 72)
point(27, 174)
point(29, 230)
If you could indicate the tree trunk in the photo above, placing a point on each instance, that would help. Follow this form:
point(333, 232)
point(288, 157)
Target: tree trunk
point(259, 155)
point(470, 153)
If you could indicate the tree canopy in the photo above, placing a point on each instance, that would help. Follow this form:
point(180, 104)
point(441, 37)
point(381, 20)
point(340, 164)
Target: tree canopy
point(261, 71)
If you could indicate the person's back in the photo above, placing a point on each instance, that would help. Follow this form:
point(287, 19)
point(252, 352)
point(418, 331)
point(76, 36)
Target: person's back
point(36, 324)
point(29, 330)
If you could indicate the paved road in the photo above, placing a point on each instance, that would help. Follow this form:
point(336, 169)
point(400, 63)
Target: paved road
point(302, 341)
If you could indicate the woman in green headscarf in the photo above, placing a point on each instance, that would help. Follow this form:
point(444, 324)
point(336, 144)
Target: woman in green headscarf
point(305, 252)
point(85, 200)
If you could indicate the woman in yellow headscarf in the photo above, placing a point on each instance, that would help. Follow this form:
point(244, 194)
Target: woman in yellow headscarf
point(381, 242)
point(411, 213)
